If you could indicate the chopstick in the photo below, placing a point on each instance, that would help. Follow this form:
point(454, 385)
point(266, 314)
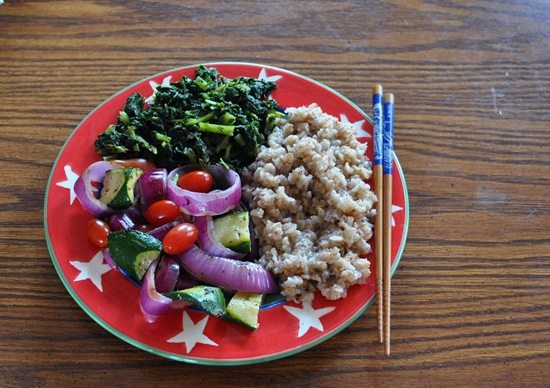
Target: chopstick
point(377, 137)
point(387, 156)
point(382, 113)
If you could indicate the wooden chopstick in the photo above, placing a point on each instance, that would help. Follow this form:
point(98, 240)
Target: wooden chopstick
point(387, 162)
point(377, 170)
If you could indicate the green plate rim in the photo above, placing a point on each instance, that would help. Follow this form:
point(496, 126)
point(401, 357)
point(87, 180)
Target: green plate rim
point(197, 360)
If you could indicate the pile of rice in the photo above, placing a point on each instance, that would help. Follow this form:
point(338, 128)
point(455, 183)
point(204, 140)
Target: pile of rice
point(310, 204)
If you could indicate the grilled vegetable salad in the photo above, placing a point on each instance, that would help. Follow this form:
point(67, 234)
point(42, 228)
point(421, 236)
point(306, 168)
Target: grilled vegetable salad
point(184, 237)
point(167, 198)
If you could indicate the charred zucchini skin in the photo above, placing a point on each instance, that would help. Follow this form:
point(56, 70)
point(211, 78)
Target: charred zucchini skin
point(134, 251)
point(118, 187)
point(244, 308)
point(233, 231)
point(208, 298)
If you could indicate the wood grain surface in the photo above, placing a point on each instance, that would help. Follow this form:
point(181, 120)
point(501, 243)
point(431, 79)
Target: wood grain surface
point(471, 298)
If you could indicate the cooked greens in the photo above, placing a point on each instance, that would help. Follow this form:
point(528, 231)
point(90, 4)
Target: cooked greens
point(207, 120)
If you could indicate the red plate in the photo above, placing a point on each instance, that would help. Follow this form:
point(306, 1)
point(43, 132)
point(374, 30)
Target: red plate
point(193, 336)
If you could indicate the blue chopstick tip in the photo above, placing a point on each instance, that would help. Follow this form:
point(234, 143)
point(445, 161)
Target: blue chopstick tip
point(387, 152)
point(377, 124)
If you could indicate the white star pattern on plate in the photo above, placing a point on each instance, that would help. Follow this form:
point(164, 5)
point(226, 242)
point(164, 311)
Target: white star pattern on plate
point(357, 125)
point(308, 317)
point(154, 86)
point(93, 270)
point(192, 333)
point(394, 208)
point(263, 76)
point(69, 182)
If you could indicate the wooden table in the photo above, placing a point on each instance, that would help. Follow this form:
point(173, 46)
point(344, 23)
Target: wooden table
point(471, 298)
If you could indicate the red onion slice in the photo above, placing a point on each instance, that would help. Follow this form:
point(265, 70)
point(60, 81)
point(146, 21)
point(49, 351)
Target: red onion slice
point(206, 204)
point(210, 243)
point(85, 191)
point(254, 243)
point(152, 186)
point(135, 214)
point(151, 303)
point(186, 280)
point(127, 219)
point(167, 274)
point(254, 247)
point(108, 258)
point(229, 274)
point(121, 221)
point(161, 231)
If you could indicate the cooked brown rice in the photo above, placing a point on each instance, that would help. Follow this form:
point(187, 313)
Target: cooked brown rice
point(310, 204)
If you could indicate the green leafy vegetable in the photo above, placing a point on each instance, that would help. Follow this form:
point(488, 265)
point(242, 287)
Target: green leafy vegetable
point(209, 119)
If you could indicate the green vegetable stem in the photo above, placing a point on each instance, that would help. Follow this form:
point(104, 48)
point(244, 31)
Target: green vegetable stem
point(226, 130)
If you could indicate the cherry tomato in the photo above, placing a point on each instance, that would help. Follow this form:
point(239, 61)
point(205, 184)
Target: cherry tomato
point(144, 164)
point(144, 227)
point(180, 238)
point(98, 232)
point(198, 181)
point(162, 212)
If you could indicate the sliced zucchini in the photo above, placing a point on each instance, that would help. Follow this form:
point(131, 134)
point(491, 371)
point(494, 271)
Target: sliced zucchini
point(232, 231)
point(118, 187)
point(134, 251)
point(210, 299)
point(244, 308)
